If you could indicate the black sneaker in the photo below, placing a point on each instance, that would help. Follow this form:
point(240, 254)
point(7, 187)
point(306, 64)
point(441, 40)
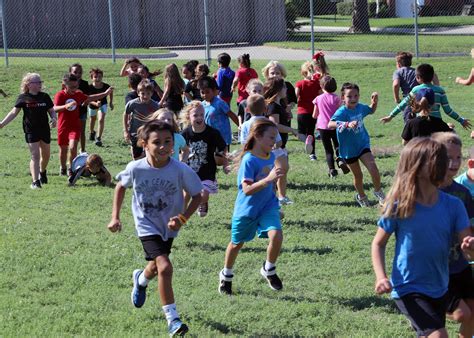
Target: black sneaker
point(272, 278)
point(36, 185)
point(333, 173)
point(62, 171)
point(203, 209)
point(43, 177)
point(343, 165)
point(98, 142)
point(92, 136)
point(225, 284)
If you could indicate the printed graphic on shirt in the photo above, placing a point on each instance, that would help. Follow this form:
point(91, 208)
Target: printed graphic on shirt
point(198, 155)
point(155, 195)
point(73, 107)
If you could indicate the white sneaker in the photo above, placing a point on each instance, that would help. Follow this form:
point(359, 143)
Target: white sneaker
point(363, 202)
point(380, 196)
point(285, 201)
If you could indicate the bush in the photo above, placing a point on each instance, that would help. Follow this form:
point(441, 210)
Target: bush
point(383, 10)
point(345, 8)
point(291, 15)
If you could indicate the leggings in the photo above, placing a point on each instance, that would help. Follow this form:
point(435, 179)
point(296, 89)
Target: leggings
point(329, 139)
point(306, 125)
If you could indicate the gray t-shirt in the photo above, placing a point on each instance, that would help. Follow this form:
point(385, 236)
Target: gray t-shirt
point(406, 76)
point(158, 194)
point(139, 112)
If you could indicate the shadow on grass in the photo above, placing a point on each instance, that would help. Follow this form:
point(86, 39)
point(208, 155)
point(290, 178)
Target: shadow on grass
point(334, 186)
point(286, 298)
point(331, 226)
point(222, 328)
point(368, 302)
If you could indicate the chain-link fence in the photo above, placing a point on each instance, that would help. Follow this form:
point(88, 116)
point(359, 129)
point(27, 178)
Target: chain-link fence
point(267, 28)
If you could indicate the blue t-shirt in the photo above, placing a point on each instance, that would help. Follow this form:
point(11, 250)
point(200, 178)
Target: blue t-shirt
point(352, 141)
point(422, 246)
point(216, 117)
point(179, 143)
point(158, 194)
point(253, 169)
point(465, 181)
point(225, 76)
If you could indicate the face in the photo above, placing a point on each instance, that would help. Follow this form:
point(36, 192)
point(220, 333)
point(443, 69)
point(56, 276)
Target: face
point(145, 95)
point(256, 89)
point(72, 86)
point(196, 117)
point(207, 94)
point(142, 71)
point(97, 77)
point(94, 168)
point(133, 67)
point(186, 73)
point(351, 98)
point(166, 117)
point(454, 159)
point(274, 72)
point(77, 71)
point(267, 140)
point(35, 85)
point(159, 146)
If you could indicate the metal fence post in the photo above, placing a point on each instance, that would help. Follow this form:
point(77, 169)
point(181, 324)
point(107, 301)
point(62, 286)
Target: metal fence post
point(311, 14)
point(4, 34)
point(415, 13)
point(112, 36)
point(206, 32)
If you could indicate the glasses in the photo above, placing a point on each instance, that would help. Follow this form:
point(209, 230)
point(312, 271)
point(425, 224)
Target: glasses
point(37, 82)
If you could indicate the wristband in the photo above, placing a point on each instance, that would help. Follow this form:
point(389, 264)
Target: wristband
point(182, 219)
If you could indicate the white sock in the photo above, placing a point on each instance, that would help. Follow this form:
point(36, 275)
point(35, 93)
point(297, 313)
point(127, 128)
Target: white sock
point(228, 272)
point(269, 265)
point(170, 312)
point(142, 281)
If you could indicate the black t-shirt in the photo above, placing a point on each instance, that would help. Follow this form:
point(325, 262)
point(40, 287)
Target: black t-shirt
point(422, 126)
point(131, 96)
point(155, 96)
point(83, 87)
point(192, 89)
point(290, 93)
point(245, 115)
point(35, 112)
point(202, 148)
point(174, 102)
point(276, 109)
point(93, 90)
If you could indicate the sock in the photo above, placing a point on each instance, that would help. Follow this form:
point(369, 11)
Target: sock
point(170, 312)
point(269, 265)
point(142, 280)
point(228, 272)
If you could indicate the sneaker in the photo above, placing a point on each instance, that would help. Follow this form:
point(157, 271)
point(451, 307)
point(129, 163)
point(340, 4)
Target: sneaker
point(313, 157)
point(332, 173)
point(36, 185)
point(92, 136)
point(363, 202)
point(284, 201)
point(176, 327)
point(43, 177)
point(203, 208)
point(343, 165)
point(380, 196)
point(98, 142)
point(62, 171)
point(272, 278)
point(225, 284)
point(69, 172)
point(138, 292)
point(308, 144)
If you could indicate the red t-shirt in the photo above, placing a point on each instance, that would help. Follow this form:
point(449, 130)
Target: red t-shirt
point(308, 90)
point(69, 118)
point(244, 75)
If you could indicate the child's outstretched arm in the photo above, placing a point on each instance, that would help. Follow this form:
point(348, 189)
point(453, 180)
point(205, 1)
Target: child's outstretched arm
point(119, 194)
point(468, 81)
point(233, 117)
point(467, 243)
point(104, 177)
point(176, 222)
point(10, 116)
point(382, 283)
point(451, 113)
point(99, 96)
point(398, 109)
point(396, 90)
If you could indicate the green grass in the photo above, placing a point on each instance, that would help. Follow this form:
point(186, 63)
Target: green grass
point(377, 42)
point(63, 274)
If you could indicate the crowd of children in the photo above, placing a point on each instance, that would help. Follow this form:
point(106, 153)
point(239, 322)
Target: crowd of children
point(180, 134)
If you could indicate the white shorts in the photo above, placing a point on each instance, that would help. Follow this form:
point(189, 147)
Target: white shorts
point(93, 112)
point(279, 152)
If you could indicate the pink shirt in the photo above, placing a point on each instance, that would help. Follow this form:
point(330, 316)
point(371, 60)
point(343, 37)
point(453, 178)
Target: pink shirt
point(327, 104)
point(244, 75)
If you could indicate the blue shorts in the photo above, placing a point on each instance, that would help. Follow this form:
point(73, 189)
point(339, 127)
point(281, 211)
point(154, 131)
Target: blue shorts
point(245, 228)
point(93, 112)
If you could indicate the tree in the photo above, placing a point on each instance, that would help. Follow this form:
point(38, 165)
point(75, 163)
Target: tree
point(360, 17)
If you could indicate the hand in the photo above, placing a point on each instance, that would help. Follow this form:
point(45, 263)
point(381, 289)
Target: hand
point(386, 119)
point(126, 136)
point(352, 124)
point(111, 106)
point(467, 246)
point(227, 169)
point(2, 125)
point(466, 124)
point(109, 90)
point(115, 225)
point(374, 97)
point(383, 286)
point(53, 123)
point(274, 174)
point(174, 223)
point(472, 134)
point(70, 104)
point(458, 79)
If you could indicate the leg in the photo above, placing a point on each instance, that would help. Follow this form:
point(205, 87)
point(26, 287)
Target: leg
point(326, 140)
point(72, 151)
point(165, 278)
point(282, 162)
point(63, 150)
point(463, 315)
point(369, 162)
point(150, 270)
point(311, 125)
point(83, 136)
point(45, 155)
point(101, 123)
point(358, 178)
point(92, 123)
point(35, 160)
point(231, 254)
point(274, 245)
point(441, 333)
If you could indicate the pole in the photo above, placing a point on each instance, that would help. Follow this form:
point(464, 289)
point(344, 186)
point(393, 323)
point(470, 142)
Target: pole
point(206, 32)
point(311, 14)
point(415, 13)
point(112, 37)
point(4, 34)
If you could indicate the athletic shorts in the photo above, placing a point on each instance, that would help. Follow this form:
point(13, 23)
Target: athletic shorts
point(245, 228)
point(155, 246)
point(355, 159)
point(83, 113)
point(137, 151)
point(426, 314)
point(210, 186)
point(461, 286)
point(66, 134)
point(93, 112)
point(44, 136)
point(279, 152)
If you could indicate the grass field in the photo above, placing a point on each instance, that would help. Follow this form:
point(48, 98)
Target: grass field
point(64, 274)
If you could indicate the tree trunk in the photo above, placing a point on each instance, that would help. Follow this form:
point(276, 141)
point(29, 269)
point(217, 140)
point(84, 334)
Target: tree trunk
point(360, 17)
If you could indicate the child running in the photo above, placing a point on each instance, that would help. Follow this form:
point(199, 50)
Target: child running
point(256, 208)
point(354, 141)
point(36, 106)
point(77, 70)
point(191, 91)
point(205, 144)
point(174, 88)
point(470, 79)
point(96, 87)
point(224, 77)
point(424, 220)
point(158, 182)
point(242, 77)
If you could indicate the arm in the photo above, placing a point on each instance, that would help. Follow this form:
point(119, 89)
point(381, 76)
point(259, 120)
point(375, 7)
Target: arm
point(451, 113)
point(398, 109)
point(374, 99)
point(281, 128)
point(104, 177)
point(235, 82)
point(233, 117)
point(111, 100)
point(53, 117)
point(183, 157)
point(175, 222)
point(123, 71)
point(126, 127)
point(99, 96)
point(297, 93)
point(164, 97)
point(396, 90)
point(65, 106)
point(250, 188)
point(119, 194)
point(468, 81)
point(467, 243)
point(315, 111)
point(382, 284)
point(10, 116)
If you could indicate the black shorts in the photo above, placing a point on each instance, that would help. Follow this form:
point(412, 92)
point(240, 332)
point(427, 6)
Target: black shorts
point(44, 136)
point(155, 246)
point(461, 286)
point(137, 151)
point(355, 159)
point(426, 314)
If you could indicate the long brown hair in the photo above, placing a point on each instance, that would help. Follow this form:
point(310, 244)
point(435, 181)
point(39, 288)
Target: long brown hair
point(173, 80)
point(272, 88)
point(418, 153)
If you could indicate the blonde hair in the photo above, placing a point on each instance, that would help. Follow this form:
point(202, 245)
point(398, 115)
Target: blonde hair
point(173, 81)
point(193, 105)
point(420, 152)
point(307, 69)
point(160, 112)
point(274, 64)
point(253, 83)
point(320, 62)
point(26, 81)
